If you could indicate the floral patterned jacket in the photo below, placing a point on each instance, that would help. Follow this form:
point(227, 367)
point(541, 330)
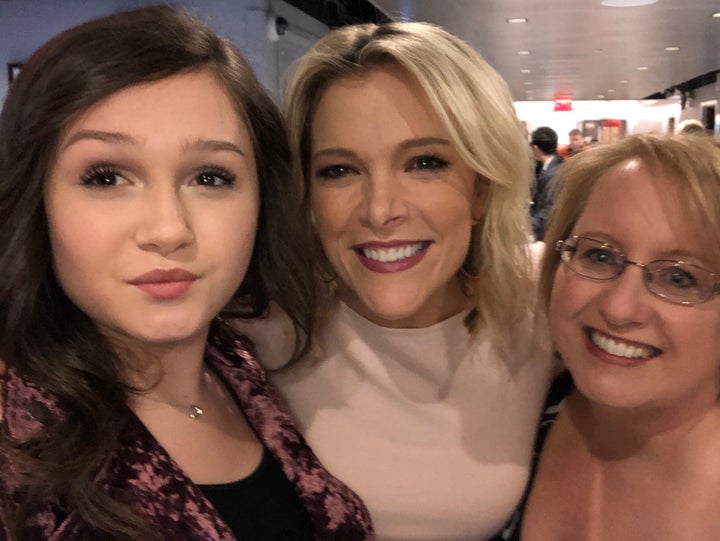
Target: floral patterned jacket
point(142, 471)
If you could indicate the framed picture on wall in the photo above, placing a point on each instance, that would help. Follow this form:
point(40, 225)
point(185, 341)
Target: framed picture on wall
point(13, 70)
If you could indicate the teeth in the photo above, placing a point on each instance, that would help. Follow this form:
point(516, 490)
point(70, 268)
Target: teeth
point(620, 349)
point(392, 254)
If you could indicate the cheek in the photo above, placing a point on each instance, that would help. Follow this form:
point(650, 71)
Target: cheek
point(331, 211)
point(567, 300)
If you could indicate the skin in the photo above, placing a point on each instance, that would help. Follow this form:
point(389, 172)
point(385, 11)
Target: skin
point(576, 141)
point(634, 452)
point(133, 189)
point(386, 175)
point(161, 176)
point(645, 226)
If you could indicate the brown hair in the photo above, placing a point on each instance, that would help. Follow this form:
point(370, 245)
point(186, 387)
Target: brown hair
point(43, 335)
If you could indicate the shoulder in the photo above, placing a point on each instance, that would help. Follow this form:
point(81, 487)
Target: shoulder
point(272, 335)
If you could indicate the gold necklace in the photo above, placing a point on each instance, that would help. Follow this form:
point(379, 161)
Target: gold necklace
point(194, 411)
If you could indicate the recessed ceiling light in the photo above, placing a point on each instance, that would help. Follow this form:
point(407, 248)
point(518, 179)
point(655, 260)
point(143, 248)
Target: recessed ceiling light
point(716, 15)
point(611, 90)
point(601, 97)
point(642, 68)
point(672, 49)
point(523, 53)
point(524, 71)
point(626, 3)
point(528, 83)
point(623, 81)
point(517, 20)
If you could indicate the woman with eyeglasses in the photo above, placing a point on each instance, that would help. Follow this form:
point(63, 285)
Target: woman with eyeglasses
point(631, 440)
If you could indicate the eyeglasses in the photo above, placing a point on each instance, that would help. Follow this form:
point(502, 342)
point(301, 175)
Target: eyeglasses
point(675, 281)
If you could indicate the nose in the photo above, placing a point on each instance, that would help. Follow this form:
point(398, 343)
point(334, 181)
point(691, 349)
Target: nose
point(164, 224)
point(625, 301)
point(384, 199)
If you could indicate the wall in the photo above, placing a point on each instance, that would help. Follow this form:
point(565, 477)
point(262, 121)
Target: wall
point(640, 116)
point(27, 24)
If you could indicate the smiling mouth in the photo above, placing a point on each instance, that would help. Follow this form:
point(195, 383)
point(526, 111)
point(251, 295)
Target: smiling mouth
point(621, 348)
point(396, 253)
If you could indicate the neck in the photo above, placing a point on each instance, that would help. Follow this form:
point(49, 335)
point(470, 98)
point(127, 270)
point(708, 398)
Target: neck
point(170, 373)
point(613, 433)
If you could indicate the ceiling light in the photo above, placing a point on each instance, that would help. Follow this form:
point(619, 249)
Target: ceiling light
point(611, 90)
point(716, 15)
point(672, 49)
point(601, 97)
point(626, 3)
point(524, 71)
point(623, 81)
point(528, 83)
point(529, 91)
point(523, 53)
point(642, 68)
point(517, 20)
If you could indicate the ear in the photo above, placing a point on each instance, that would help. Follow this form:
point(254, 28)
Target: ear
point(480, 199)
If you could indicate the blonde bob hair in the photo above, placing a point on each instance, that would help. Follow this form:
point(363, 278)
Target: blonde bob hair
point(476, 108)
point(686, 167)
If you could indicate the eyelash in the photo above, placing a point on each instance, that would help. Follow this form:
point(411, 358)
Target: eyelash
point(340, 170)
point(437, 163)
point(332, 172)
point(228, 179)
point(98, 172)
point(103, 172)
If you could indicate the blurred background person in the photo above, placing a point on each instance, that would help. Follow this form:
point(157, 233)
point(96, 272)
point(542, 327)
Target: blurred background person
point(544, 143)
point(576, 145)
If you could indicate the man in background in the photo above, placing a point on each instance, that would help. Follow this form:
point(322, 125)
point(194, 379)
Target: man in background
point(577, 144)
point(544, 146)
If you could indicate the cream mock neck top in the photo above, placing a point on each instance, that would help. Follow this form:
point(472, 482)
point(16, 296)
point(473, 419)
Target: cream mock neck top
point(431, 427)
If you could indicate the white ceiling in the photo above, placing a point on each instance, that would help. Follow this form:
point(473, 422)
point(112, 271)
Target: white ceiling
point(580, 47)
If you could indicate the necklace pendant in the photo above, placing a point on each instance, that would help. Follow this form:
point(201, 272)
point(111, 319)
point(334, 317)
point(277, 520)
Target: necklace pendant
point(195, 412)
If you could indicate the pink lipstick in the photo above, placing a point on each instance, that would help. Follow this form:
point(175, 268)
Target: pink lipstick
point(391, 256)
point(164, 284)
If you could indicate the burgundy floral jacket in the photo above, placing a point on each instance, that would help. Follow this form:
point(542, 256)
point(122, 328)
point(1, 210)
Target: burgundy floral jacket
point(142, 471)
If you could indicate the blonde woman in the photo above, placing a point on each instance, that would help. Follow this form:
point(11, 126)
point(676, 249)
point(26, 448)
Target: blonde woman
point(424, 387)
point(632, 441)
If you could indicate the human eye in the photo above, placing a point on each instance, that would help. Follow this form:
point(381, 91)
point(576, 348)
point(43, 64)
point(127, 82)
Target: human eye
point(213, 177)
point(102, 176)
point(335, 171)
point(597, 255)
point(677, 277)
point(427, 162)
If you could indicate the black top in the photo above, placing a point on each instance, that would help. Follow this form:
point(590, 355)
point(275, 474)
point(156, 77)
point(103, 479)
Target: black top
point(262, 507)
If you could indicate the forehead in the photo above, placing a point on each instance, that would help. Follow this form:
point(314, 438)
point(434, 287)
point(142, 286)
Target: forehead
point(639, 207)
point(187, 105)
point(386, 98)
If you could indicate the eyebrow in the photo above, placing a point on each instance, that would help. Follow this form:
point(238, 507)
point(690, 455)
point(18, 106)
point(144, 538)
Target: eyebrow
point(215, 145)
point(98, 135)
point(405, 145)
point(123, 138)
